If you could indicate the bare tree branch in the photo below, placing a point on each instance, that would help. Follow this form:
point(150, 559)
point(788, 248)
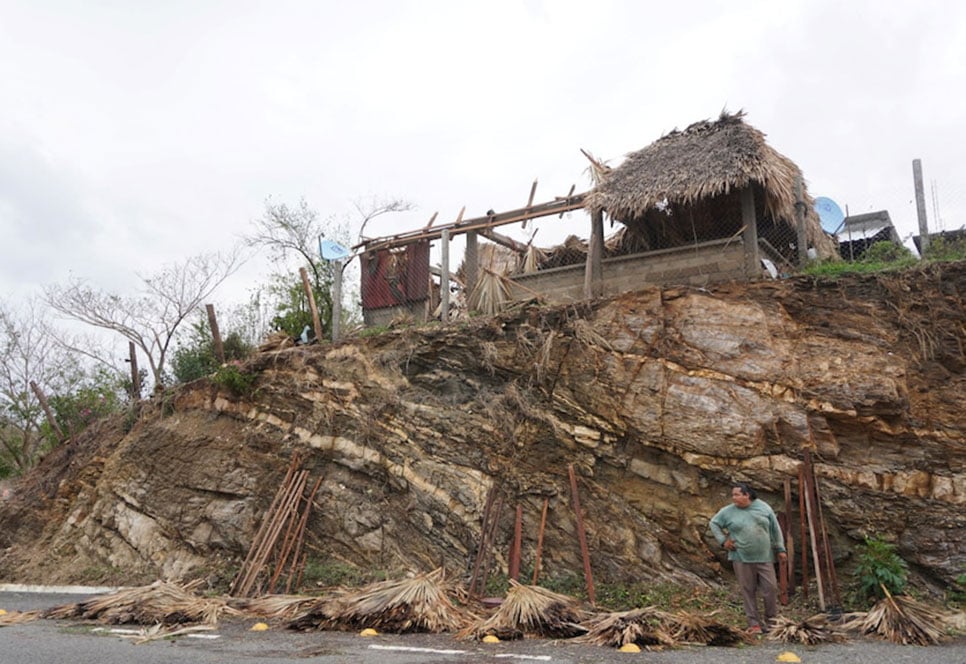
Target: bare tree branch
point(150, 319)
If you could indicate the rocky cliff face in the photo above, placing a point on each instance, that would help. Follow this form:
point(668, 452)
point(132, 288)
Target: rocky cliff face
point(659, 398)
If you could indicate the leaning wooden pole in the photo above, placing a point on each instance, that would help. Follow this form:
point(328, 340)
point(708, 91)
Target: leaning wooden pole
point(582, 536)
point(316, 321)
point(515, 553)
point(42, 398)
point(543, 526)
point(810, 509)
point(215, 333)
point(801, 518)
point(263, 528)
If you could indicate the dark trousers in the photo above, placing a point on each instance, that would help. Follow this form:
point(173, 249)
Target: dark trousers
point(754, 578)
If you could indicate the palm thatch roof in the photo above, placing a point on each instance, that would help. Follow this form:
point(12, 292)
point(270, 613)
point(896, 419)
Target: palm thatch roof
point(706, 160)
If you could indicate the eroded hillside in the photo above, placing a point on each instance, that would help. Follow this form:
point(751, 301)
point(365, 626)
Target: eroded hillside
point(659, 398)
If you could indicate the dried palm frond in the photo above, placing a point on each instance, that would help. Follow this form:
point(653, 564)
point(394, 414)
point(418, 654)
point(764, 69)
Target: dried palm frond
point(645, 627)
point(418, 604)
point(530, 611)
point(902, 620)
point(162, 602)
point(274, 607)
point(490, 293)
point(19, 617)
point(532, 259)
point(694, 628)
point(811, 631)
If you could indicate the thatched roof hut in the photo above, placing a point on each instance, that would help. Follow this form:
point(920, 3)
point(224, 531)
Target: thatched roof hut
point(685, 188)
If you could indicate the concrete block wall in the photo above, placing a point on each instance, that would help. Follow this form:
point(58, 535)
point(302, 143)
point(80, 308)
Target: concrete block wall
point(698, 265)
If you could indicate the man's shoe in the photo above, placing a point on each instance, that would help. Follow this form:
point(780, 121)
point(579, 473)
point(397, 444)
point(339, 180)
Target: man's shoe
point(754, 630)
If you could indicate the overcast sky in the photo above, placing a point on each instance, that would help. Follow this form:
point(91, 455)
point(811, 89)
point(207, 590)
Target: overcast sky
point(135, 133)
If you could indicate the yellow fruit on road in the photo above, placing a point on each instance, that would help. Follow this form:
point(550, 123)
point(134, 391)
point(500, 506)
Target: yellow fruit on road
point(490, 638)
point(630, 647)
point(788, 656)
point(368, 631)
point(259, 627)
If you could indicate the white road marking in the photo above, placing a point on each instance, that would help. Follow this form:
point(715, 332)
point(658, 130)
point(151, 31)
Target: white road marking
point(435, 651)
point(438, 651)
point(540, 658)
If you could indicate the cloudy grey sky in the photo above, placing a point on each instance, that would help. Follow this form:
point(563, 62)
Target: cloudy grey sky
point(135, 133)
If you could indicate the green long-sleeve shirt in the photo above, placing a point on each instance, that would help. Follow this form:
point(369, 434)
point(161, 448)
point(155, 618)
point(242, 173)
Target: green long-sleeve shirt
point(754, 530)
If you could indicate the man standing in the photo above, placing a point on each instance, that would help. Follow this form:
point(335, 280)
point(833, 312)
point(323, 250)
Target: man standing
point(749, 531)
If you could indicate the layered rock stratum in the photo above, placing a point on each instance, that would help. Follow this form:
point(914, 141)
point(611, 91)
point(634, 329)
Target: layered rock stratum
point(658, 398)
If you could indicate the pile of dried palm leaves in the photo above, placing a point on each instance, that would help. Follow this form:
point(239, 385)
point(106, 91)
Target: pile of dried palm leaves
point(809, 632)
point(274, 607)
point(417, 604)
point(697, 629)
point(18, 617)
point(646, 627)
point(530, 611)
point(654, 629)
point(902, 620)
point(162, 602)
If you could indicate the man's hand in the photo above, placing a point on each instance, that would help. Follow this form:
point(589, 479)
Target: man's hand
point(782, 557)
point(729, 544)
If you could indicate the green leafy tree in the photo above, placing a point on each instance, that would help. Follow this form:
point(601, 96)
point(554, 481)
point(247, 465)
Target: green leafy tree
point(31, 354)
point(880, 566)
point(196, 357)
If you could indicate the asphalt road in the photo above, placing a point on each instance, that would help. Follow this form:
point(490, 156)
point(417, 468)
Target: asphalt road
point(63, 642)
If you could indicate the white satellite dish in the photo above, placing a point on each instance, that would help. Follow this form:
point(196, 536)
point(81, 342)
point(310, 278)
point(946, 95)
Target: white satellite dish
point(829, 213)
point(332, 251)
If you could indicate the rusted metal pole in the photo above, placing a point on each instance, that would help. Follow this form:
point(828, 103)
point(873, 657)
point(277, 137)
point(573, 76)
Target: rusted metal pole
point(543, 525)
point(297, 553)
point(582, 536)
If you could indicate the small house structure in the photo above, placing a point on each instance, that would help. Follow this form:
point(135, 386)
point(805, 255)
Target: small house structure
point(861, 231)
point(711, 203)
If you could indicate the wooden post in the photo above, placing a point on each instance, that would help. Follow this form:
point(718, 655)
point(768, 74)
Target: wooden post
point(471, 260)
point(337, 268)
point(135, 374)
point(749, 236)
point(790, 562)
point(517, 545)
point(594, 272)
point(215, 334)
point(444, 276)
point(802, 541)
point(582, 536)
point(311, 296)
point(543, 526)
point(800, 232)
point(810, 510)
point(920, 205)
point(42, 398)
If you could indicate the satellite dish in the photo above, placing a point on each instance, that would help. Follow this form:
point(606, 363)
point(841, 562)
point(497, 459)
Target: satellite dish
point(332, 251)
point(829, 213)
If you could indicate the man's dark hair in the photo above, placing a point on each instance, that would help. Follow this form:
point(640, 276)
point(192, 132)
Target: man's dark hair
point(745, 489)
